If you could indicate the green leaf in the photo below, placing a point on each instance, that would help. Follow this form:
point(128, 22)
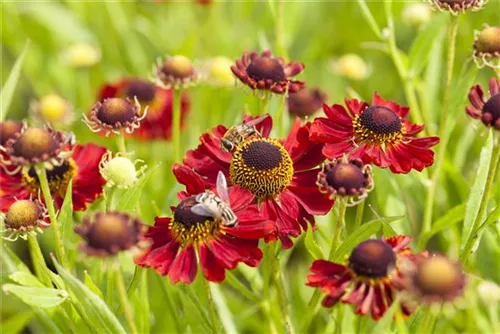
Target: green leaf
point(312, 247)
point(11, 261)
point(16, 323)
point(384, 324)
point(65, 217)
point(361, 234)
point(88, 304)
point(492, 219)
point(10, 85)
point(37, 297)
point(453, 216)
point(132, 195)
point(26, 279)
point(421, 49)
point(368, 16)
point(90, 284)
point(477, 191)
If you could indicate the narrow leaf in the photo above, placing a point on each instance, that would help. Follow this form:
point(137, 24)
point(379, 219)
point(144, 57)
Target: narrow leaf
point(477, 191)
point(37, 297)
point(384, 324)
point(90, 284)
point(368, 16)
point(130, 198)
point(361, 234)
point(16, 323)
point(453, 216)
point(312, 247)
point(26, 279)
point(10, 85)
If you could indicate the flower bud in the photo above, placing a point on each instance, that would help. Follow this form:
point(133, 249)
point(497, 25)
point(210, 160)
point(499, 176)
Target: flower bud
point(81, 55)
point(416, 14)
point(351, 66)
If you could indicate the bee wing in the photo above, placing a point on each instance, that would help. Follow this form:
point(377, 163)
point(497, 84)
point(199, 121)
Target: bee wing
point(203, 210)
point(256, 120)
point(222, 187)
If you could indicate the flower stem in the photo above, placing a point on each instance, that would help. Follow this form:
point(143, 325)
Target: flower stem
point(359, 216)
point(443, 133)
point(280, 29)
point(39, 264)
point(338, 228)
point(214, 318)
point(122, 293)
point(44, 184)
point(400, 322)
point(176, 123)
point(264, 103)
point(279, 114)
point(120, 142)
point(488, 187)
point(278, 282)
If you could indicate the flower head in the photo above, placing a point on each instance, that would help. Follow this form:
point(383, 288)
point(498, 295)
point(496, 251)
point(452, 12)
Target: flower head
point(81, 55)
point(218, 72)
point(351, 66)
point(268, 73)
point(52, 109)
point(347, 179)
point(24, 217)
point(416, 14)
point(108, 233)
point(280, 174)
point(487, 47)
point(488, 110)
point(175, 72)
point(119, 171)
point(221, 224)
point(8, 130)
point(306, 102)
point(367, 280)
point(82, 168)
point(456, 7)
point(378, 134)
point(158, 121)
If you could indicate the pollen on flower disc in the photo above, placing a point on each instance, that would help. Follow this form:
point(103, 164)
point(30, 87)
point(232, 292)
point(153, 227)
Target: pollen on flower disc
point(116, 110)
point(22, 213)
point(380, 120)
point(33, 143)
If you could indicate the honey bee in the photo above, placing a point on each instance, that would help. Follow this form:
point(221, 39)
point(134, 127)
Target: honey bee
point(239, 133)
point(216, 207)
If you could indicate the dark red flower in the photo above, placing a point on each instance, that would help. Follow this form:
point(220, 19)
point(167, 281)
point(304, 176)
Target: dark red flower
point(377, 134)
point(82, 167)
point(158, 121)
point(220, 244)
point(488, 110)
point(456, 7)
point(367, 280)
point(266, 72)
point(306, 102)
point(281, 175)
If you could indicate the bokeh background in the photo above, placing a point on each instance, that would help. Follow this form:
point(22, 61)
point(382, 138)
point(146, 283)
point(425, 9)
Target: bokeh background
point(128, 37)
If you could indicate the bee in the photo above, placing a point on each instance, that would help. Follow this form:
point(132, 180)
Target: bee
point(217, 207)
point(239, 133)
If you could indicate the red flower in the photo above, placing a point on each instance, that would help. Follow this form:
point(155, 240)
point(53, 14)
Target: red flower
point(158, 121)
point(82, 167)
point(281, 175)
point(220, 244)
point(367, 280)
point(378, 134)
point(488, 110)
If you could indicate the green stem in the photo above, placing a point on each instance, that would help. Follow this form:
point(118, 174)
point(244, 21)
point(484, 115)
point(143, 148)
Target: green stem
point(493, 166)
point(338, 228)
point(279, 114)
point(120, 142)
point(264, 103)
point(122, 293)
point(278, 282)
point(47, 196)
point(359, 216)
point(280, 29)
point(176, 123)
point(400, 322)
point(214, 318)
point(443, 133)
point(39, 264)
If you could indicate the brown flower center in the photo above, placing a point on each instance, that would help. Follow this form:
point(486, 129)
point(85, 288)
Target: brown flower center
point(262, 166)
point(116, 110)
point(347, 176)
point(305, 102)
point(111, 231)
point(488, 40)
point(144, 91)
point(372, 258)
point(492, 106)
point(23, 213)
point(179, 67)
point(8, 129)
point(58, 178)
point(437, 276)
point(266, 68)
point(34, 143)
point(377, 124)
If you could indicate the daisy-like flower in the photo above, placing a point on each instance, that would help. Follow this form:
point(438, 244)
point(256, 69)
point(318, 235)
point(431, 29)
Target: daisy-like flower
point(487, 47)
point(115, 115)
point(82, 167)
point(175, 72)
point(456, 7)
point(158, 122)
point(378, 134)
point(281, 175)
point(108, 233)
point(433, 279)
point(306, 102)
point(221, 225)
point(265, 72)
point(367, 280)
point(351, 179)
point(23, 217)
point(488, 110)
point(53, 109)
